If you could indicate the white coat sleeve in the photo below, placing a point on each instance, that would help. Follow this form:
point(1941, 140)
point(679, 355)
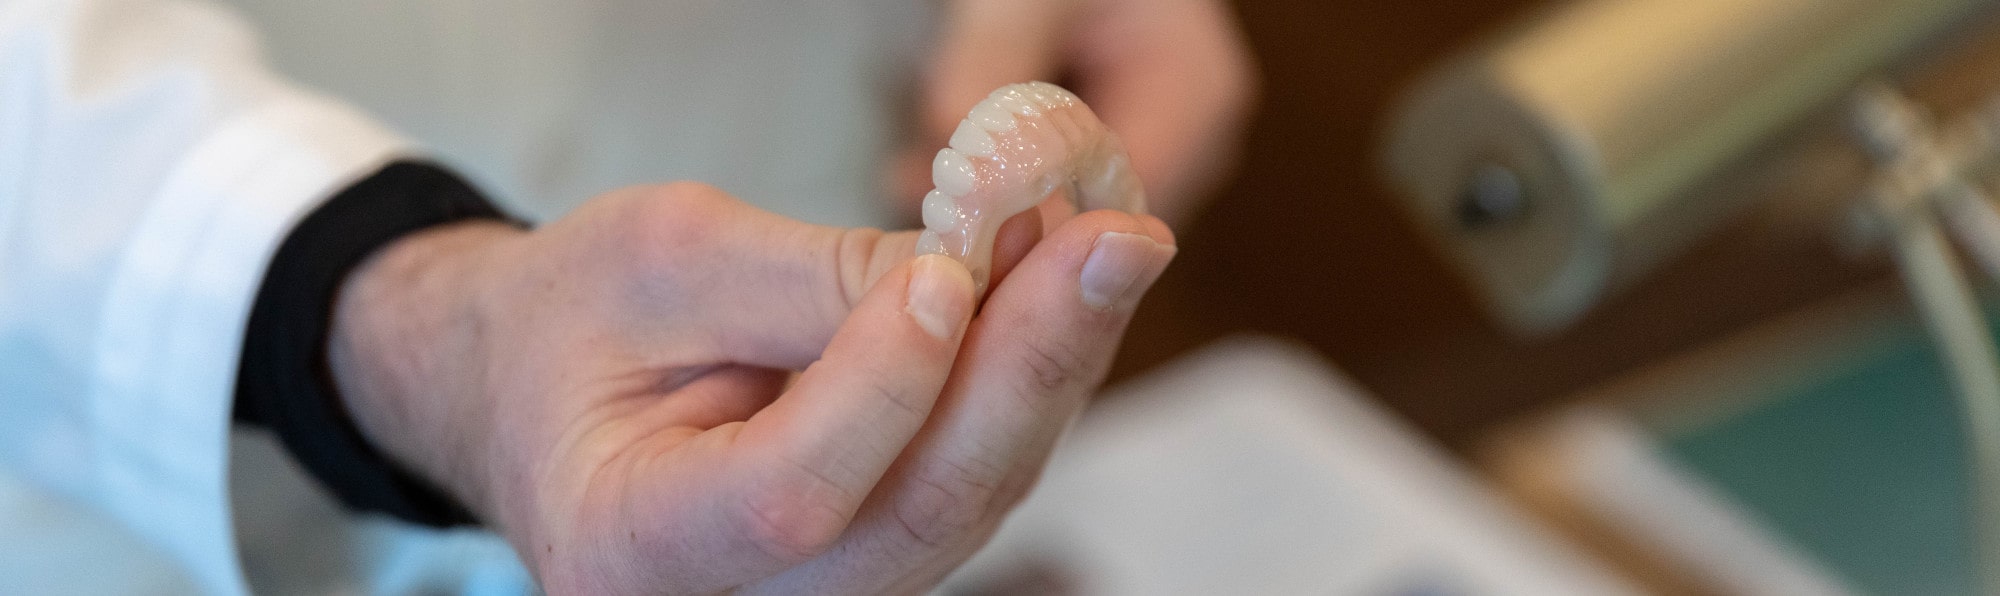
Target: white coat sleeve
point(150, 164)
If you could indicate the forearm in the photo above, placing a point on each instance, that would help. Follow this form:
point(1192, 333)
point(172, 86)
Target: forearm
point(406, 355)
point(409, 224)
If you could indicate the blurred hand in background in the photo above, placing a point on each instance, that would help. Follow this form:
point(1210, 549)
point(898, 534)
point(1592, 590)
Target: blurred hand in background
point(1173, 78)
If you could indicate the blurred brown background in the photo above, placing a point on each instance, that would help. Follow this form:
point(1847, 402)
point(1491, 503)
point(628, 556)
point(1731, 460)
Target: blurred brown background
point(1307, 242)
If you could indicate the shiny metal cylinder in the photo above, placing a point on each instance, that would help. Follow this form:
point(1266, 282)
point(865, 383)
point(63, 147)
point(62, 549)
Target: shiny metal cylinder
point(1559, 158)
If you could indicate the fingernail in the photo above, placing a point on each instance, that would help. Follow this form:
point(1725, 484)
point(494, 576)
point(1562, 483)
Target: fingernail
point(940, 295)
point(1112, 273)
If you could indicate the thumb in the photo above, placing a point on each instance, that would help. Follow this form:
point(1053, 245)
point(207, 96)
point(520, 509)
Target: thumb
point(766, 290)
point(769, 291)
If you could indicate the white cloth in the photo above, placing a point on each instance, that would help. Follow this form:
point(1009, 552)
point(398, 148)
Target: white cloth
point(545, 103)
point(1252, 467)
point(148, 166)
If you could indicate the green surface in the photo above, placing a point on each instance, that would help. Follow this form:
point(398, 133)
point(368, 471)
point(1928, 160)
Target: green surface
point(1864, 468)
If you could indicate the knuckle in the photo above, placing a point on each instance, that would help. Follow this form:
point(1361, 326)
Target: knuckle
point(906, 404)
point(1016, 489)
point(673, 222)
point(1051, 369)
point(686, 194)
point(790, 526)
point(939, 512)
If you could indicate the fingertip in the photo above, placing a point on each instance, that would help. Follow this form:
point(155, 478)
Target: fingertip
point(1159, 230)
point(939, 295)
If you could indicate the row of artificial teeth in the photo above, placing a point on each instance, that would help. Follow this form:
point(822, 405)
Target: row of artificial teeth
point(952, 171)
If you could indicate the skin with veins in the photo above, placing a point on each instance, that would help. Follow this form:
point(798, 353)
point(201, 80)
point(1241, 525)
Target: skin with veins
point(1018, 146)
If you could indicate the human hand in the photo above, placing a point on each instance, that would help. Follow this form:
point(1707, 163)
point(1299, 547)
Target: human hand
point(609, 391)
point(1172, 77)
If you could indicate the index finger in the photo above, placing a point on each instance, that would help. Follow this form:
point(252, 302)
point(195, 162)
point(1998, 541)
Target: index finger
point(1038, 350)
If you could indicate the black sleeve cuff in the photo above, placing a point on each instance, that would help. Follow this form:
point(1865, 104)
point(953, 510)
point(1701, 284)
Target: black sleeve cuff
point(283, 382)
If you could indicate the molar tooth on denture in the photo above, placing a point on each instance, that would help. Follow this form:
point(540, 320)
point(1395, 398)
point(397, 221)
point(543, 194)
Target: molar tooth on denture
point(928, 243)
point(1013, 150)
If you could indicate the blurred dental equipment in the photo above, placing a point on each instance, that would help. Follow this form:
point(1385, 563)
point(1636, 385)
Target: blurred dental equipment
point(1926, 176)
point(1567, 156)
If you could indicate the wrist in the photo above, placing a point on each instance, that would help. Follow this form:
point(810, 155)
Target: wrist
point(405, 352)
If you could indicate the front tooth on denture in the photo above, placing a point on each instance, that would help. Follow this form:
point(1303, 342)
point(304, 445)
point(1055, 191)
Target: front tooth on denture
point(972, 140)
point(991, 117)
point(1034, 92)
point(940, 210)
point(1045, 94)
point(952, 173)
point(1016, 100)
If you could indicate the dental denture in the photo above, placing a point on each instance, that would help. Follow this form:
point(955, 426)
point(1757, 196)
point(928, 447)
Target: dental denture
point(1017, 147)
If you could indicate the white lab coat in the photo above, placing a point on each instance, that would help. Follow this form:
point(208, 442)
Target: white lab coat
point(789, 105)
point(150, 163)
